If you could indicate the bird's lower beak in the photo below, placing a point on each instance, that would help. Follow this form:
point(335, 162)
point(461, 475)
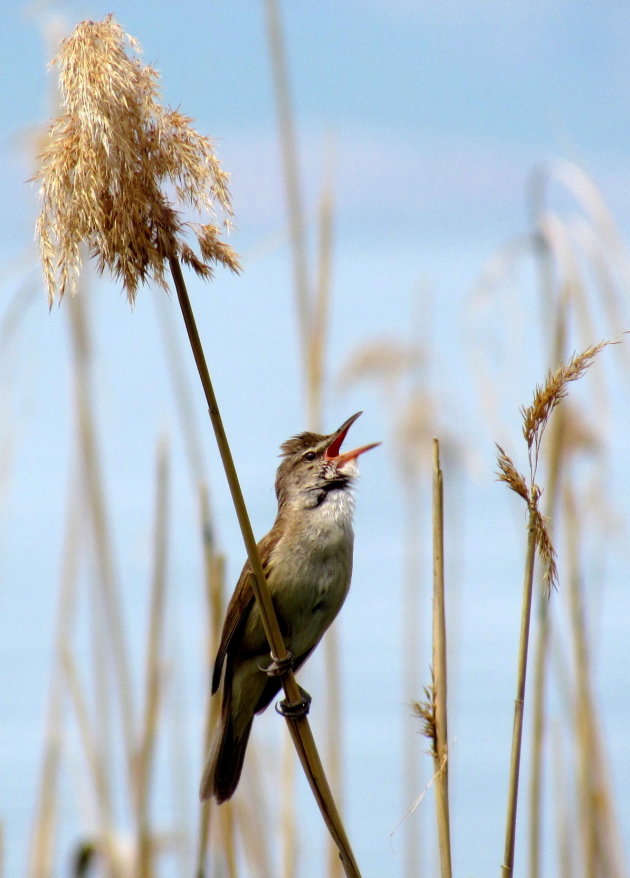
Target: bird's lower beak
point(334, 449)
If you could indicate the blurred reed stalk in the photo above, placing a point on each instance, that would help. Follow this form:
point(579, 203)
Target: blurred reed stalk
point(214, 569)
point(42, 847)
point(557, 331)
point(535, 419)
point(102, 171)
point(312, 310)
point(117, 652)
point(601, 848)
point(154, 661)
point(563, 251)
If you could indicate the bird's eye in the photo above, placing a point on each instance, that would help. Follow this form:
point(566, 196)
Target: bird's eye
point(310, 455)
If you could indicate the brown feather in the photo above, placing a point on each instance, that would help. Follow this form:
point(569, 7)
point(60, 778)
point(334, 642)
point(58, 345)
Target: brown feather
point(240, 605)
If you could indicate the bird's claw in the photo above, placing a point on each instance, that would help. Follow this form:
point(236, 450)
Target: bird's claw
point(297, 710)
point(279, 666)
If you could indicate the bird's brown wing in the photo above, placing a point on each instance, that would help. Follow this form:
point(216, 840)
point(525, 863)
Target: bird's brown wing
point(236, 615)
point(239, 607)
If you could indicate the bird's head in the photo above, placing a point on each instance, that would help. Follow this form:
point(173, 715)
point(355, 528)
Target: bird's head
point(314, 465)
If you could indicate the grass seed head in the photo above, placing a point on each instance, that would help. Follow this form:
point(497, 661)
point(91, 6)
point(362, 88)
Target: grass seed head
point(547, 397)
point(510, 475)
point(105, 164)
point(425, 711)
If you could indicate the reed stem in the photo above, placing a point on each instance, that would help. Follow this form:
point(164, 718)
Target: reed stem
point(153, 670)
point(441, 755)
point(507, 868)
point(299, 728)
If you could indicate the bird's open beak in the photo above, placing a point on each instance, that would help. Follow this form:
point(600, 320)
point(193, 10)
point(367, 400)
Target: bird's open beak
point(334, 449)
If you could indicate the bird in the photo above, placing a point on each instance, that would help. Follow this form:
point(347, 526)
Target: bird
point(307, 561)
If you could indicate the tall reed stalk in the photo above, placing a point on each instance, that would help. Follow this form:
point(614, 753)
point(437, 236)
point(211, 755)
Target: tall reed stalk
point(101, 174)
point(153, 671)
point(42, 848)
point(440, 688)
point(535, 419)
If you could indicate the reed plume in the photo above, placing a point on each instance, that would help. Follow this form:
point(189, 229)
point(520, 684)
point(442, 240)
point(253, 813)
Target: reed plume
point(105, 164)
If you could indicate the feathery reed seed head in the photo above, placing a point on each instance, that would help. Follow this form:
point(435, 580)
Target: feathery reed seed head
point(547, 397)
point(535, 419)
point(425, 711)
point(106, 161)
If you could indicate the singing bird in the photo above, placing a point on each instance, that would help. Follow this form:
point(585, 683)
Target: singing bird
point(307, 560)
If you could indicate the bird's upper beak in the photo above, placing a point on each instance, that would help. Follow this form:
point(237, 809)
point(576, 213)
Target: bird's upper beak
point(334, 448)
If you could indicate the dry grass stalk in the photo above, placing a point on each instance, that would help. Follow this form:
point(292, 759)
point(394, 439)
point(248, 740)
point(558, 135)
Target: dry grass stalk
point(535, 419)
point(601, 850)
point(41, 854)
point(153, 671)
point(432, 711)
point(290, 169)
point(113, 628)
point(97, 768)
point(106, 161)
point(439, 688)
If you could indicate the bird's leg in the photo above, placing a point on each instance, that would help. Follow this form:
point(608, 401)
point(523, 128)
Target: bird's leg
point(279, 666)
point(300, 708)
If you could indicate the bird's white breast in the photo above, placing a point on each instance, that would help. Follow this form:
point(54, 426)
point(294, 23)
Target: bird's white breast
point(310, 570)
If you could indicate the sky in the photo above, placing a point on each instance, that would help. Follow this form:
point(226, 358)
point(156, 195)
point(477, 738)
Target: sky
point(427, 122)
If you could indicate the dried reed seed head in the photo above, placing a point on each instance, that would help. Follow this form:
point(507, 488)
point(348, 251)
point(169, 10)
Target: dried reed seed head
point(547, 397)
point(510, 475)
point(425, 711)
point(105, 164)
point(545, 549)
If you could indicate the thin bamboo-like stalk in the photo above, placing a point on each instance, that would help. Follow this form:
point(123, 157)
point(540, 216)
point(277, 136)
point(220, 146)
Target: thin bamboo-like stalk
point(41, 854)
point(598, 830)
point(107, 582)
point(288, 835)
point(318, 335)
point(544, 266)
point(440, 688)
point(507, 867)
point(554, 456)
point(299, 728)
point(411, 625)
point(315, 392)
point(290, 170)
point(153, 669)
point(97, 767)
point(214, 566)
point(562, 817)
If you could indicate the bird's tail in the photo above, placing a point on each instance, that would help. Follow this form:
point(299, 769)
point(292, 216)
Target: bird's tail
point(225, 759)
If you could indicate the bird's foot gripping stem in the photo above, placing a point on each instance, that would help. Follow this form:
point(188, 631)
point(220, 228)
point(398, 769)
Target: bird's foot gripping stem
point(297, 710)
point(279, 666)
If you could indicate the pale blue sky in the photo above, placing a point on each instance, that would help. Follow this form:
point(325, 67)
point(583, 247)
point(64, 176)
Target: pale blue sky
point(430, 117)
